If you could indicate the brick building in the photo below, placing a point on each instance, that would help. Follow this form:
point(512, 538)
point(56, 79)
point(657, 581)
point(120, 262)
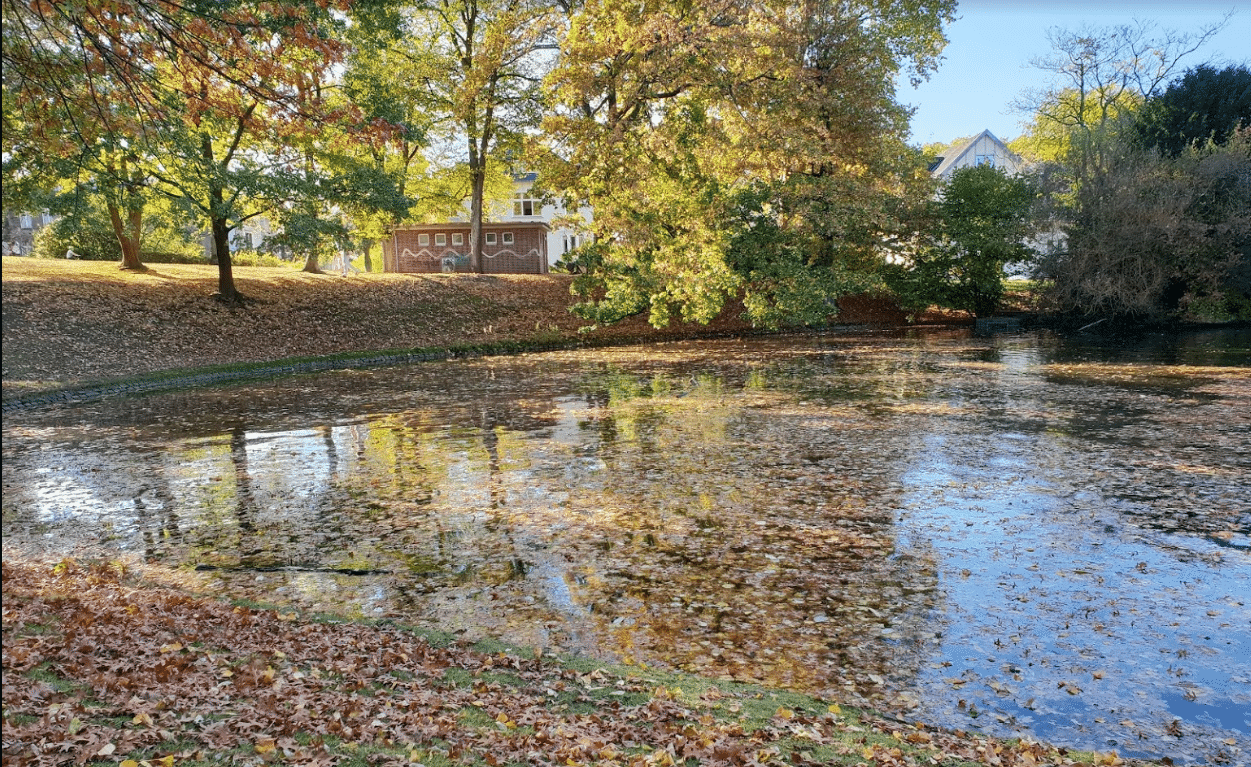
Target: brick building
point(512, 247)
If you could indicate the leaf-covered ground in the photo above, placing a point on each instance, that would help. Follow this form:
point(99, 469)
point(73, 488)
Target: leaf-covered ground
point(105, 665)
point(67, 322)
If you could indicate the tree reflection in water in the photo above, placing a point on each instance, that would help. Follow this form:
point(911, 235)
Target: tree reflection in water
point(934, 523)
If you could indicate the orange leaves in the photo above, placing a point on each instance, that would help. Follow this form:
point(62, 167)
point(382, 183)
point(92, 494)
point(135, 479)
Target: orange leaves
point(452, 705)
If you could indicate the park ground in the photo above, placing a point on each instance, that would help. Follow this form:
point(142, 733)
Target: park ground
point(70, 323)
point(121, 663)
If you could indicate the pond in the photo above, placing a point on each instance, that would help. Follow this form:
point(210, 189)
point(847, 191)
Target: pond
point(1020, 535)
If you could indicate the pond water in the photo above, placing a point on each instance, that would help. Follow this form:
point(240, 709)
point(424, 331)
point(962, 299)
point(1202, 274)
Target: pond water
point(1019, 535)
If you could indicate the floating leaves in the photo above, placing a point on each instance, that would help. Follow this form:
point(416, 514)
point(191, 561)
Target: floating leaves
point(833, 514)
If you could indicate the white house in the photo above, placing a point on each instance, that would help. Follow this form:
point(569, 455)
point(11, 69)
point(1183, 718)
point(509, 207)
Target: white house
point(982, 149)
point(561, 238)
point(20, 230)
point(986, 149)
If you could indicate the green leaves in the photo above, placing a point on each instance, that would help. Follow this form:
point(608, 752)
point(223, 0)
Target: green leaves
point(691, 132)
point(982, 222)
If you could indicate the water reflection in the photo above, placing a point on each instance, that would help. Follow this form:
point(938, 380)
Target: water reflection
point(1000, 534)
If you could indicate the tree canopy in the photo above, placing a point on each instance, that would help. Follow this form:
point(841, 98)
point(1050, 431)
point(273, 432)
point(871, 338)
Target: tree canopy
point(1204, 104)
point(733, 148)
point(202, 97)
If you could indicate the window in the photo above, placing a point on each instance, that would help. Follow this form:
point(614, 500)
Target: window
point(985, 159)
point(47, 218)
point(525, 206)
point(490, 238)
point(458, 239)
point(440, 239)
point(26, 221)
point(423, 239)
point(506, 238)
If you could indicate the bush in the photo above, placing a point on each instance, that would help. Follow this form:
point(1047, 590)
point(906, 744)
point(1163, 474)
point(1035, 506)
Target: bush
point(88, 243)
point(1159, 235)
point(982, 221)
point(87, 231)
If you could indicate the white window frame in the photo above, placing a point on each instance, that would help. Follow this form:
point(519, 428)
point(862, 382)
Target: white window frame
point(440, 239)
point(525, 205)
point(458, 238)
point(490, 238)
point(506, 238)
point(26, 221)
point(423, 239)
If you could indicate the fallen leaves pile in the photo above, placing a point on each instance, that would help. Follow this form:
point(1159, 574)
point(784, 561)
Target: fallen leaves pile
point(74, 321)
point(104, 665)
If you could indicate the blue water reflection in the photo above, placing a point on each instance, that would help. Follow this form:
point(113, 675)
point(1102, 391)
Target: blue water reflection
point(1023, 534)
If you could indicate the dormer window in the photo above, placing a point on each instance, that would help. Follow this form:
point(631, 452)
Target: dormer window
point(985, 159)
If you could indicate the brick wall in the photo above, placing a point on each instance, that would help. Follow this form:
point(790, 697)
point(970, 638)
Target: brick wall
point(435, 248)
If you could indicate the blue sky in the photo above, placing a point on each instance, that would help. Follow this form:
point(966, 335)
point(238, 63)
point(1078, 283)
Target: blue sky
point(986, 62)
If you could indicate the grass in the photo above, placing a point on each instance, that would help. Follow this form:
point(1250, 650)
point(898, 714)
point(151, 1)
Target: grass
point(449, 703)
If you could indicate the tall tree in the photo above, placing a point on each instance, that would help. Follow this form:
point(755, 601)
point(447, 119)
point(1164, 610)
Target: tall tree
point(65, 124)
point(1083, 128)
point(700, 132)
point(1102, 76)
point(479, 67)
point(201, 82)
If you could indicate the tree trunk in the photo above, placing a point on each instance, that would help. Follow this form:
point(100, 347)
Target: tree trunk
point(129, 235)
point(478, 177)
point(311, 264)
point(226, 291)
point(124, 191)
point(369, 245)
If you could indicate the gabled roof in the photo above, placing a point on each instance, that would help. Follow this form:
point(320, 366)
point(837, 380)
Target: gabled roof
point(953, 158)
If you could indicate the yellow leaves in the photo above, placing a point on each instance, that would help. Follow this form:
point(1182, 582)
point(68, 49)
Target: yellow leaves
point(266, 746)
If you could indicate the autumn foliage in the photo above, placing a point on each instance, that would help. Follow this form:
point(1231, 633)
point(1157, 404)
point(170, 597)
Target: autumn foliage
point(103, 665)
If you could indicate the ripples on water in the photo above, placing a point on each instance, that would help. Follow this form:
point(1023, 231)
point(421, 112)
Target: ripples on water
point(1019, 535)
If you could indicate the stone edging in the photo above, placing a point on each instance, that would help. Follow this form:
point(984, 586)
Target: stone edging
point(76, 395)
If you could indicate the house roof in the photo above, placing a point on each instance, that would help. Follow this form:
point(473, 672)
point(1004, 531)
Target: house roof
point(950, 159)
